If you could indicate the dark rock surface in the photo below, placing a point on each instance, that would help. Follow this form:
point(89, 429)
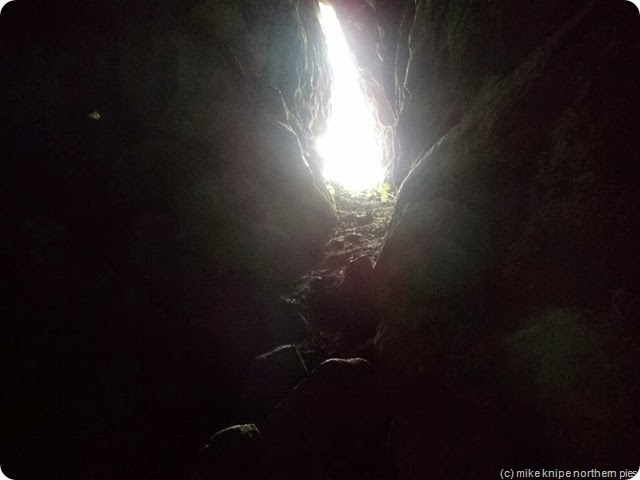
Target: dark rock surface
point(233, 452)
point(159, 195)
point(449, 51)
point(511, 239)
point(338, 298)
point(333, 425)
point(271, 377)
point(166, 222)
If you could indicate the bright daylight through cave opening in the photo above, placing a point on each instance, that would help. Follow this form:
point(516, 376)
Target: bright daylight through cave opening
point(350, 148)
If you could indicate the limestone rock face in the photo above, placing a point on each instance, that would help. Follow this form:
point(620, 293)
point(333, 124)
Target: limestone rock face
point(508, 274)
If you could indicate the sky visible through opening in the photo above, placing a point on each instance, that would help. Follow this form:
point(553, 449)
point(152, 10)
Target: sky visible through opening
point(350, 148)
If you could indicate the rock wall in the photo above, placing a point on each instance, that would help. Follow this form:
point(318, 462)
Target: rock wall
point(160, 195)
point(508, 277)
point(447, 52)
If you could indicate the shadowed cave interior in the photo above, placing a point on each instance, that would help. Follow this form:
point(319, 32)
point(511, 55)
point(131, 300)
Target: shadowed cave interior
point(186, 295)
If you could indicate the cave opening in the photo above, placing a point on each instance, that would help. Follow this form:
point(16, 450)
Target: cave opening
point(351, 147)
point(188, 296)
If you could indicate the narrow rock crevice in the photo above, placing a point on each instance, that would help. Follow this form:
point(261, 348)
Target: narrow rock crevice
point(337, 297)
point(176, 265)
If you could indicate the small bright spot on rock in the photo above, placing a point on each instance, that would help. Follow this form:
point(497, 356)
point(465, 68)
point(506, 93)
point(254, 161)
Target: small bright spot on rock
point(350, 148)
point(95, 116)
